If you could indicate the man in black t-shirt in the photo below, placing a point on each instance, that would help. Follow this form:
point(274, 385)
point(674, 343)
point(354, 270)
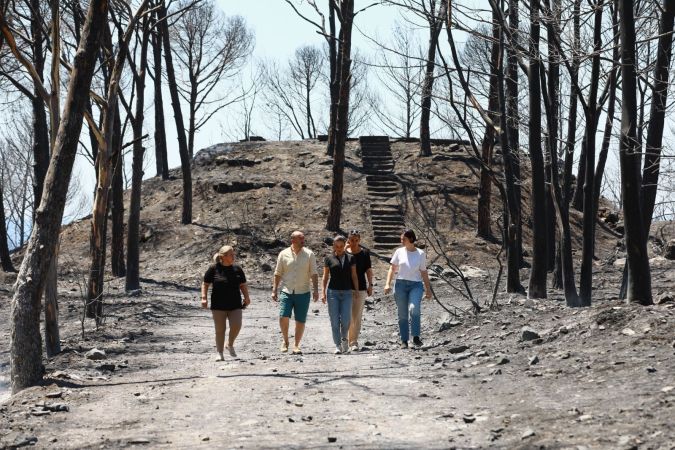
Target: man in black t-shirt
point(364, 273)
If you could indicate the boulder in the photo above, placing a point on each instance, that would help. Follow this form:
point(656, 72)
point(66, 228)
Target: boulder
point(528, 334)
point(669, 250)
point(95, 354)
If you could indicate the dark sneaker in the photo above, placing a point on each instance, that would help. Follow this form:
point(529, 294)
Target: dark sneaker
point(417, 341)
point(404, 344)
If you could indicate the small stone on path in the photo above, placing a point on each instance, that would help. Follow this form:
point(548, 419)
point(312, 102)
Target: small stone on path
point(527, 433)
point(528, 334)
point(332, 439)
point(95, 354)
point(534, 360)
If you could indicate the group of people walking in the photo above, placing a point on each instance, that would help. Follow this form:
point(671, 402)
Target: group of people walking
point(347, 281)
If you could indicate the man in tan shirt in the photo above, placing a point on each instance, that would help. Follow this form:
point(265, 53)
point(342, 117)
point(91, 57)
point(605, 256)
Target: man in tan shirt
point(296, 266)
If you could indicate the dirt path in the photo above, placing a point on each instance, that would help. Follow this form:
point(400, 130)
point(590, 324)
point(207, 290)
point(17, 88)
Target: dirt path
point(167, 390)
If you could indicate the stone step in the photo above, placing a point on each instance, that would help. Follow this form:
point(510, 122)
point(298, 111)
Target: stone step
point(379, 155)
point(379, 196)
point(385, 212)
point(380, 178)
point(372, 139)
point(373, 171)
point(387, 221)
point(387, 239)
point(381, 182)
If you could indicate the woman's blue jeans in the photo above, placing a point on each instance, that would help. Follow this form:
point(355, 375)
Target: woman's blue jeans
point(408, 295)
point(340, 312)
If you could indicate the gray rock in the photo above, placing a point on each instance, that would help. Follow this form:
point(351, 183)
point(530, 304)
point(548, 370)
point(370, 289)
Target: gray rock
point(665, 297)
point(463, 356)
point(332, 439)
point(534, 360)
point(458, 349)
point(286, 185)
point(528, 433)
point(669, 250)
point(266, 267)
point(25, 441)
point(503, 360)
point(95, 354)
point(528, 334)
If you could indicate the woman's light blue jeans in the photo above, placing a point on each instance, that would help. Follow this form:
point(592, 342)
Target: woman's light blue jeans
point(340, 312)
point(408, 295)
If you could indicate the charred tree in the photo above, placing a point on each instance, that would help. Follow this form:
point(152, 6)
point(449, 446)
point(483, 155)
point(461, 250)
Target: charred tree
point(639, 289)
point(117, 264)
point(161, 155)
point(185, 160)
point(537, 285)
point(435, 26)
point(133, 224)
point(5, 258)
point(25, 342)
point(346, 22)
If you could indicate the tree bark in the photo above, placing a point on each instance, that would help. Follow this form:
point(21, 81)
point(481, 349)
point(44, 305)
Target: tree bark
point(589, 208)
point(40, 126)
point(5, 258)
point(132, 281)
point(185, 160)
point(117, 265)
point(161, 155)
point(513, 118)
point(334, 58)
point(553, 132)
point(25, 345)
point(334, 215)
point(657, 114)
point(639, 289)
point(435, 27)
point(537, 286)
point(485, 190)
point(571, 131)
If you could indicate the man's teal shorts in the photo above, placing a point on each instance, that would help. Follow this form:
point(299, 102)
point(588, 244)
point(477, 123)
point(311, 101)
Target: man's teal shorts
point(299, 303)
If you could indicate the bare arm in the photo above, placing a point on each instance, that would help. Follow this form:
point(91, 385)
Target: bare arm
point(369, 277)
point(275, 287)
point(205, 294)
point(244, 290)
point(355, 278)
point(324, 284)
point(390, 274)
point(315, 283)
point(427, 284)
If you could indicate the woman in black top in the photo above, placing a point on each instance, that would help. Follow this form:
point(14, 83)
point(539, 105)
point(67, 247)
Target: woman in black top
point(229, 282)
point(339, 268)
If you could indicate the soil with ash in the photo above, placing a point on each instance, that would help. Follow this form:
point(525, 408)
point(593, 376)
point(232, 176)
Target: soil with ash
point(524, 374)
point(519, 374)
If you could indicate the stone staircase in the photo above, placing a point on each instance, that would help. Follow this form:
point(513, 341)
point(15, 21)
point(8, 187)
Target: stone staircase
point(383, 192)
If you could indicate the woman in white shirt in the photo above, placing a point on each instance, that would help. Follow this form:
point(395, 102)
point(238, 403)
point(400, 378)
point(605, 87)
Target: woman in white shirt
point(412, 282)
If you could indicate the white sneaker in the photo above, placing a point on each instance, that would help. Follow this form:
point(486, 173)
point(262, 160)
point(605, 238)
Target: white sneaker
point(338, 350)
point(354, 348)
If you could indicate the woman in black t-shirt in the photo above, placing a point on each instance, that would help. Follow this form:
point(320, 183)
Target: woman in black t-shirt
point(229, 282)
point(339, 268)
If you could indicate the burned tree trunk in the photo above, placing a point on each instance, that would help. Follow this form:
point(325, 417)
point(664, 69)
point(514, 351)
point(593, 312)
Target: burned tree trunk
point(334, 59)
point(537, 286)
point(589, 208)
point(161, 155)
point(133, 224)
point(117, 265)
point(435, 27)
point(657, 114)
point(25, 342)
point(485, 190)
point(185, 161)
point(5, 258)
point(639, 289)
point(335, 212)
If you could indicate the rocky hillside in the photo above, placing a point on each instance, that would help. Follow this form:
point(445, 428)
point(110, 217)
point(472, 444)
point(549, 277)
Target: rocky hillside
point(252, 195)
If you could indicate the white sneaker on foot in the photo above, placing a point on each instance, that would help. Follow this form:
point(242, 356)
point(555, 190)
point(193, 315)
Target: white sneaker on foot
point(338, 350)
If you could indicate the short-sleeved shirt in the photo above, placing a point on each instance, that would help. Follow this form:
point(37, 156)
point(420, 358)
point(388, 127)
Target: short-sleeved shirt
point(410, 264)
point(226, 280)
point(340, 271)
point(362, 260)
point(296, 270)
